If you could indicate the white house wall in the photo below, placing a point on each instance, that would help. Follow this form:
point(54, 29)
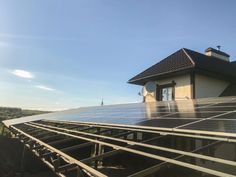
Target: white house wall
point(151, 97)
point(208, 87)
point(182, 88)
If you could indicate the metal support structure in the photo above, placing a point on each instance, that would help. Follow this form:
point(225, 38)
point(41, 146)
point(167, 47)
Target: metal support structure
point(33, 131)
point(66, 168)
point(157, 167)
point(139, 144)
point(49, 137)
point(148, 155)
point(101, 156)
point(180, 133)
point(71, 148)
point(42, 135)
point(123, 134)
point(112, 153)
point(82, 148)
point(61, 141)
point(66, 157)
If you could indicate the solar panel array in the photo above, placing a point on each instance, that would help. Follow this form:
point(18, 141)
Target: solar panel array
point(217, 114)
point(199, 135)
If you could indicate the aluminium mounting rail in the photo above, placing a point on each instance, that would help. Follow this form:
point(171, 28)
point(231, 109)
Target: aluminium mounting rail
point(128, 142)
point(183, 133)
point(138, 152)
point(64, 156)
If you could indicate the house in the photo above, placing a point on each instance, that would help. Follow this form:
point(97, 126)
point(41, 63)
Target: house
point(187, 74)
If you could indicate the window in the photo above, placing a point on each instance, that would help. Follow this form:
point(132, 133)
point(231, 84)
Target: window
point(166, 92)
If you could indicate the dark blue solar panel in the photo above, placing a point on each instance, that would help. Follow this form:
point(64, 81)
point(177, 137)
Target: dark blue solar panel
point(228, 126)
point(156, 114)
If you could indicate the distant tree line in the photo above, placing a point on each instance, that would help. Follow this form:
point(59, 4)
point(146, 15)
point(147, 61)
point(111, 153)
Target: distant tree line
point(10, 113)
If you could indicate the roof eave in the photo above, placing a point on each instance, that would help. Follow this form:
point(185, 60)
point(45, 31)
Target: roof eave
point(220, 76)
point(142, 81)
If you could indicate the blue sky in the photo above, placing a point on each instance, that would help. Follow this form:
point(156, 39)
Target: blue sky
point(57, 54)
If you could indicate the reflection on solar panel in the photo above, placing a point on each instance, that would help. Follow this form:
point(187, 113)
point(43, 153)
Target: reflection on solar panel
point(179, 138)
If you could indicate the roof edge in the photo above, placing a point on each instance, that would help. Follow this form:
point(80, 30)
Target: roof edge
point(186, 53)
point(163, 73)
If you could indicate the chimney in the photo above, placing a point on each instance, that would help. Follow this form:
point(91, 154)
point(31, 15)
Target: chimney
point(217, 53)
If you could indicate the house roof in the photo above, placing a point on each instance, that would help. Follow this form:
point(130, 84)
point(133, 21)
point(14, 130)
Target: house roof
point(210, 49)
point(229, 91)
point(186, 60)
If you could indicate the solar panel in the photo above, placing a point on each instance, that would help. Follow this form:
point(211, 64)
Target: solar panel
point(135, 113)
point(166, 123)
point(228, 126)
point(197, 115)
point(231, 115)
point(196, 137)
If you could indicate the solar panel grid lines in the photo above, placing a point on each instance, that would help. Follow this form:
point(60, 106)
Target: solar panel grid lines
point(231, 136)
point(225, 113)
point(219, 108)
point(167, 132)
point(161, 113)
point(186, 108)
point(156, 167)
point(220, 134)
point(224, 119)
point(219, 126)
point(208, 117)
point(140, 108)
point(143, 145)
point(138, 112)
point(210, 171)
point(227, 117)
point(114, 125)
point(119, 127)
point(177, 132)
point(182, 113)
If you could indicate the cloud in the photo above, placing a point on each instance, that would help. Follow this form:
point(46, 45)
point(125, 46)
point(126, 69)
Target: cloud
point(43, 87)
point(23, 74)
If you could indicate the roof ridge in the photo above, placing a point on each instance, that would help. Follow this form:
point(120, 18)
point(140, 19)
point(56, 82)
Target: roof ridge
point(160, 61)
point(186, 53)
point(209, 57)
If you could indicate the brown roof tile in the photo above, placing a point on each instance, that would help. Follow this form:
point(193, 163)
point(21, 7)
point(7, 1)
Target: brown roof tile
point(185, 59)
point(177, 61)
point(230, 90)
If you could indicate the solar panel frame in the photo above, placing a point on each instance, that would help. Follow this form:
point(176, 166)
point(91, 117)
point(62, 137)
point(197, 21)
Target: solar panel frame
point(145, 154)
point(89, 121)
point(158, 157)
point(62, 114)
